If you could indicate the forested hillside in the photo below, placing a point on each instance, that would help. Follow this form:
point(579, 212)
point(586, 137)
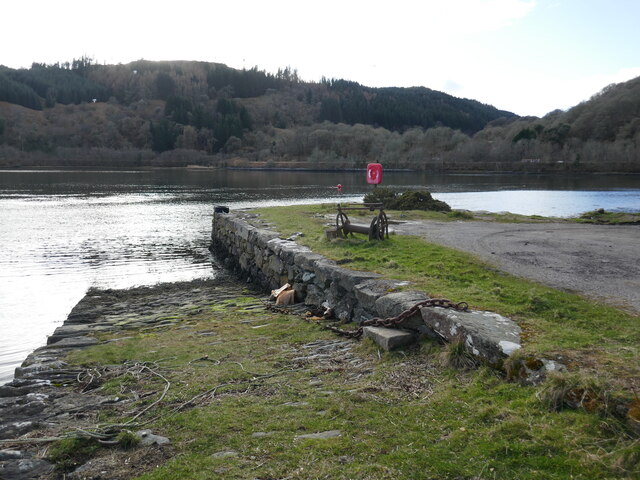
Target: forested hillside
point(178, 113)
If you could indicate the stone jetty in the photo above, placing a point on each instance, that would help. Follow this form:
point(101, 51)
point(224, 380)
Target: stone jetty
point(45, 399)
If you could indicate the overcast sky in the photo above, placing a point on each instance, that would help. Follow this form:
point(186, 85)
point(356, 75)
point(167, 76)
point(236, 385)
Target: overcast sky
point(526, 56)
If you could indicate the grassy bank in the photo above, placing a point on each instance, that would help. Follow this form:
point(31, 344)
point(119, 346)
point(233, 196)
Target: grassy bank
point(555, 323)
point(244, 385)
point(245, 392)
point(596, 217)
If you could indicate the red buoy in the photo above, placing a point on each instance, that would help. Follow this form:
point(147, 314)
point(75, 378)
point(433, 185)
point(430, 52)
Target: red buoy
point(374, 173)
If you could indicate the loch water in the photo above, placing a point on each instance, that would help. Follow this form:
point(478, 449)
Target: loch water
point(64, 231)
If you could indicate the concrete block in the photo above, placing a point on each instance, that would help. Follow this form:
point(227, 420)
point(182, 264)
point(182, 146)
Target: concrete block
point(389, 338)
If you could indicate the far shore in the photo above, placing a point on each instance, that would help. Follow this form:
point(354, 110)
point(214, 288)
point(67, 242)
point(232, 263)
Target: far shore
point(281, 168)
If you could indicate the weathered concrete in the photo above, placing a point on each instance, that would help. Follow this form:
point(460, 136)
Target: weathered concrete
point(389, 338)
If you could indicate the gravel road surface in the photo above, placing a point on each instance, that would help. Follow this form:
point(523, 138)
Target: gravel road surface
point(598, 261)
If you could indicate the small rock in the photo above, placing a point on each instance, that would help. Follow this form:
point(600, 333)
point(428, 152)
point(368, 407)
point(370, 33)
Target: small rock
point(261, 434)
point(10, 454)
point(319, 435)
point(295, 404)
point(225, 453)
point(147, 438)
point(26, 468)
point(75, 342)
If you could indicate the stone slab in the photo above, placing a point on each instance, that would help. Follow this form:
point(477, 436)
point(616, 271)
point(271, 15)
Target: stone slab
point(389, 338)
point(486, 334)
point(319, 435)
point(74, 342)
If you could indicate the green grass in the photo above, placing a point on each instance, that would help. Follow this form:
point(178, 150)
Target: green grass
point(553, 322)
point(596, 216)
point(404, 416)
point(609, 218)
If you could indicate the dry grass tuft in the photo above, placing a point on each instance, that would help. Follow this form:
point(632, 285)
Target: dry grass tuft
point(457, 355)
point(575, 391)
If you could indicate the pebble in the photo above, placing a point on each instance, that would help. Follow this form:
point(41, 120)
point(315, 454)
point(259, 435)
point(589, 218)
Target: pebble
point(225, 453)
point(319, 435)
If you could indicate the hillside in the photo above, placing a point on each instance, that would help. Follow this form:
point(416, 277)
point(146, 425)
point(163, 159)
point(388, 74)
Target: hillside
point(178, 113)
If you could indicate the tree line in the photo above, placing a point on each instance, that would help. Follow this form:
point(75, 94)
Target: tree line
point(399, 109)
point(221, 114)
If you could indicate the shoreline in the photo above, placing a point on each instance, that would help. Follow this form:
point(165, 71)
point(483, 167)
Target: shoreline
point(89, 168)
point(47, 397)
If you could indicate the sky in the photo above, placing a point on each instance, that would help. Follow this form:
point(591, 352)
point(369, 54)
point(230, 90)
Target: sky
point(525, 56)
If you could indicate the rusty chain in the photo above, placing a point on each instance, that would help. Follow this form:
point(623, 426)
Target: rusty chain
point(396, 322)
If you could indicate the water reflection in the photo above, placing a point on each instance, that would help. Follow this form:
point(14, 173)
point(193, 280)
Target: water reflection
point(550, 203)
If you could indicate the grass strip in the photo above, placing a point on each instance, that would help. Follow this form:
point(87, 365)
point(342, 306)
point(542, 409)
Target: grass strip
point(555, 323)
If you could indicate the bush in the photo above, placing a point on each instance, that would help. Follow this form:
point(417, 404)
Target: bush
point(409, 200)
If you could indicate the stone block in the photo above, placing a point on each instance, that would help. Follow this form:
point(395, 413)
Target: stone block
point(348, 279)
point(307, 260)
point(488, 335)
point(74, 342)
point(325, 271)
point(319, 435)
point(343, 308)
point(308, 277)
point(244, 261)
point(315, 295)
point(393, 304)
point(276, 245)
point(300, 289)
point(290, 250)
point(275, 265)
point(262, 237)
point(360, 314)
point(369, 291)
point(389, 338)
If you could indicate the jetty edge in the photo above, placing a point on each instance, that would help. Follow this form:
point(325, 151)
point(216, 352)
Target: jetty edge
point(243, 243)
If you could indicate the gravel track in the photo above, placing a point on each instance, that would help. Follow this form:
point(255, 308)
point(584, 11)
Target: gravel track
point(601, 262)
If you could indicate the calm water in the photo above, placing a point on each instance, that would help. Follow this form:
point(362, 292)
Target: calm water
point(62, 232)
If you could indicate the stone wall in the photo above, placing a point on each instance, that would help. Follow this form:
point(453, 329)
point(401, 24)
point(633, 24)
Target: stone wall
point(245, 244)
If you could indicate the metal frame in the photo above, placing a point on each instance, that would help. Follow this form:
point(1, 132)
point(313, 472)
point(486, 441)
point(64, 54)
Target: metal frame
point(377, 230)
